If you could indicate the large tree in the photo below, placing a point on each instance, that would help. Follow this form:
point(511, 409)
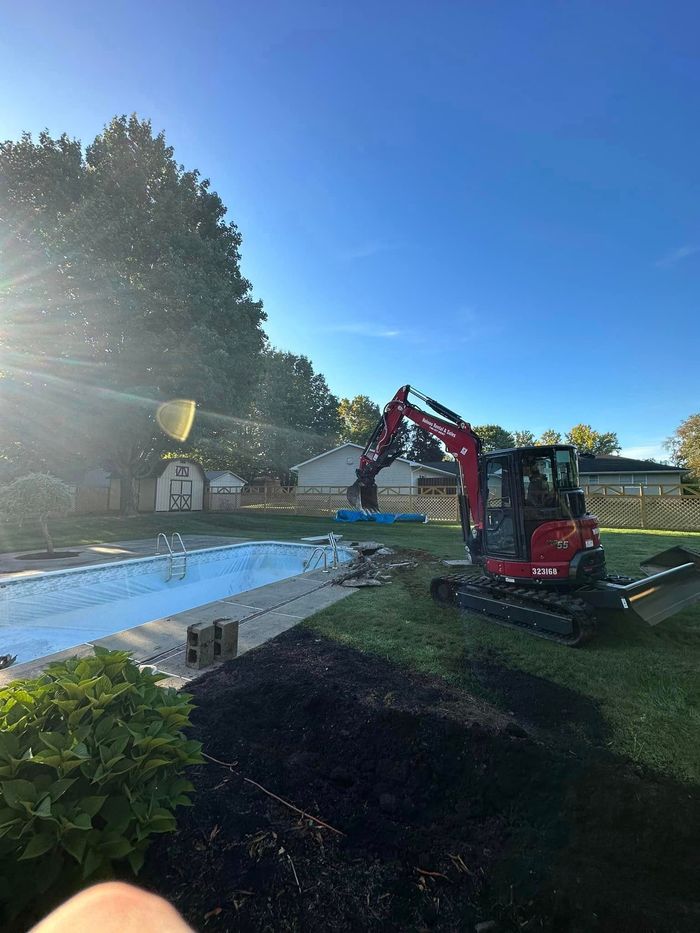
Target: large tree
point(494, 437)
point(593, 442)
point(358, 418)
point(294, 416)
point(297, 412)
point(684, 444)
point(124, 290)
point(423, 447)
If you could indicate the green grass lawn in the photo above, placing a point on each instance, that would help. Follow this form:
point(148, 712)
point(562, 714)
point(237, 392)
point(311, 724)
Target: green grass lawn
point(646, 680)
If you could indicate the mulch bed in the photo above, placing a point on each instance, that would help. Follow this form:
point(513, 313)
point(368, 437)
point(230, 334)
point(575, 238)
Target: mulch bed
point(449, 813)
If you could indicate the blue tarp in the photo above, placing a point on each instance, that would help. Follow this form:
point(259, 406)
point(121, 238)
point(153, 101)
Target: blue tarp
point(384, 518)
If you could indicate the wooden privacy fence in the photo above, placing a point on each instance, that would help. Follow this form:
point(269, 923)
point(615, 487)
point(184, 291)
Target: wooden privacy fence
point(678, 512)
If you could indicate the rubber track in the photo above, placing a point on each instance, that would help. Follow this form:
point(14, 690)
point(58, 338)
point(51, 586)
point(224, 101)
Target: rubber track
point(576, 609)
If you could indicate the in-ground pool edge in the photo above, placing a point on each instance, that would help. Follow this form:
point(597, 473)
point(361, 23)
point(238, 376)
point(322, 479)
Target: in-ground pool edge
point(266, 622)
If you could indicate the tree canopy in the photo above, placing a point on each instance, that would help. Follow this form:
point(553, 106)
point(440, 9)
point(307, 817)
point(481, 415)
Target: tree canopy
point(127, 291)
point(358, 418)
point(523, 438)
point(684, 444)
point(423, 447)
point(550, 436)
point(293, 416)
point(593, 442)
point(494, 437)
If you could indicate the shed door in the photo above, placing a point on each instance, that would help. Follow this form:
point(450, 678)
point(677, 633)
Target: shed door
point(180, 495)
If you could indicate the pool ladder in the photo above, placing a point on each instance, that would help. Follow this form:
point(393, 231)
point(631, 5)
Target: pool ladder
point(321, 553)
point(177, 559)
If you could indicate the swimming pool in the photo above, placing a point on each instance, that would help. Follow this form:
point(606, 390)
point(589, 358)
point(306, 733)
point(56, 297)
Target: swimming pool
point(63, 608)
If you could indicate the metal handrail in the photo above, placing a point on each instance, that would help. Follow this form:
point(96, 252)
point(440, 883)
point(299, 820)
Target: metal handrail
point(162, 534)
point(322, 551)
point(172, 554)
point(334, 545)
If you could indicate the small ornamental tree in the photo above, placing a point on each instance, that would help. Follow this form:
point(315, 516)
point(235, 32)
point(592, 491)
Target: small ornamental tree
point(36, 496)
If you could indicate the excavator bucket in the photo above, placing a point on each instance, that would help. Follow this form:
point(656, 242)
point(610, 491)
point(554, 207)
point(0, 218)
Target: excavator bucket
point(363, 498)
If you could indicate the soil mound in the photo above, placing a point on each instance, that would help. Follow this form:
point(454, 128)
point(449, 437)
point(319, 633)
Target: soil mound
point(448, 813)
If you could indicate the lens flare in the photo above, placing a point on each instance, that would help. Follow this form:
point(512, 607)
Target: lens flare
point(176, 417)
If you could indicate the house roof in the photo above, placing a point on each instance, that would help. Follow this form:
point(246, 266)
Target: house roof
point(613, 464)
point(587, 465)
point(332, 451)
point(444, 466)
point(216, 474)
point(435, 466)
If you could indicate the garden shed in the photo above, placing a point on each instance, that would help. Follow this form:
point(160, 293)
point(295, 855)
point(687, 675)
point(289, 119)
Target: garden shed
point(178, 487)
point(224, 481)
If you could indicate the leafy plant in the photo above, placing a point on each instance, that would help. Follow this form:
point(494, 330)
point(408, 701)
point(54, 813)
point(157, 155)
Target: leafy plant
point(91, 758)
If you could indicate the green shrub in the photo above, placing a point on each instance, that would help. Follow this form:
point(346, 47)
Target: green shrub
point(91, 757)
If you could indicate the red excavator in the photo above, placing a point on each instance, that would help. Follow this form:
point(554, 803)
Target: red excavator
point(538, 563)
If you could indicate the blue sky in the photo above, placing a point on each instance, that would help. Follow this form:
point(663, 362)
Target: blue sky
point(497, 202)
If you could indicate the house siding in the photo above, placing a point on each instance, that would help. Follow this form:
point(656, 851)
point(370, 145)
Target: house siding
point(333, 469)
point(654, 484)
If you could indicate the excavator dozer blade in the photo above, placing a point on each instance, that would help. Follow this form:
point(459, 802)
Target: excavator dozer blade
point(673, 585)
point(670, 558)
point(664, 594)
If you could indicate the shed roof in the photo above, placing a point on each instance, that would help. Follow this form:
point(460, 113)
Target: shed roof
point(216, 474)
point(163, 465)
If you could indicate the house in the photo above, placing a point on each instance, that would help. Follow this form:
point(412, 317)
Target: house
point(613, 474)
point(627, 475)
point(337, 467)
point(224, 481)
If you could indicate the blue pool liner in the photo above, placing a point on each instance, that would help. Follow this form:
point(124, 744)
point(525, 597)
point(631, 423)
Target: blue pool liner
point(383, 518)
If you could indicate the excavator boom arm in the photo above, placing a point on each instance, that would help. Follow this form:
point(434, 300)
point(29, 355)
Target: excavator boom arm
point(454, 432)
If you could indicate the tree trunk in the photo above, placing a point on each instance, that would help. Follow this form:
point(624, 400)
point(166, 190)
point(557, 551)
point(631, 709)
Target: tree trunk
point(127, 501)
point(47, 537)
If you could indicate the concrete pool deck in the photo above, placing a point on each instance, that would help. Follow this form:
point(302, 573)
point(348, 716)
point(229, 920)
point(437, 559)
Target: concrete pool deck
point(262, 614)
point(12, 564)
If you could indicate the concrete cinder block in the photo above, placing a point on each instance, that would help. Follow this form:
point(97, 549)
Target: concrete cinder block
point(200, 645)
point(225, 639)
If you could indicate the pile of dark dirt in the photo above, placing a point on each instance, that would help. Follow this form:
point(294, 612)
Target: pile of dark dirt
point(449, 814)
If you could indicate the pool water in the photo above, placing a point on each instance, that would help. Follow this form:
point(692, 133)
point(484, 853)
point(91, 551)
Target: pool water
point(63, 608)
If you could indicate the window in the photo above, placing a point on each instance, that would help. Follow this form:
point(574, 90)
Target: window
point(567, 473)
point(538, 480)
point(640, 478)
point(591, 478)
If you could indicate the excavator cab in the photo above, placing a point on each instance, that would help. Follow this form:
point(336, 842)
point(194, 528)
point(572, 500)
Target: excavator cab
point(523, 489)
